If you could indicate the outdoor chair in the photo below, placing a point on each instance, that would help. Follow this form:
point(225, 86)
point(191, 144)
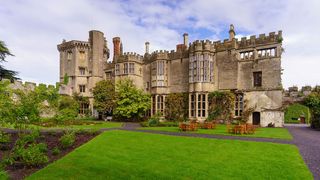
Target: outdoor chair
point(230, 128)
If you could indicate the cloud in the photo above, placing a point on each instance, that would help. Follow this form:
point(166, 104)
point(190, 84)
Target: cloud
point(33, 28)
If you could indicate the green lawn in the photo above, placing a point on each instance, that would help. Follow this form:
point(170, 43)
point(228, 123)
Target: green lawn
point(280, 133)
point(135, 155)
point(93, 126)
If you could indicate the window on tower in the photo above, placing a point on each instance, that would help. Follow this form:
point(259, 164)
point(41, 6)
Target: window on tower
point(82, 70)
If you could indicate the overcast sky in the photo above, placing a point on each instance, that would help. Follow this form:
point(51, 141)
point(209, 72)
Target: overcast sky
point(33, 28)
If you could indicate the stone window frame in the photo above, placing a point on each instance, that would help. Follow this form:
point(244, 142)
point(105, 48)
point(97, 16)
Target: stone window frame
point(246, 55)
point(125, 68)
point(201, 68)
point(82, 71)
point(193, 105)
point(160, 104)
point(84, 108)
point(267, 52)
point(131, 68)
point(201, 100)
point(239, 104)
point(117, 69)
point(153, 104)
point(82, 88)
point(257, 79)
point(158, 73)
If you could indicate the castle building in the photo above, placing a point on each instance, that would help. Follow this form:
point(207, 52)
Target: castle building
point(250, 68)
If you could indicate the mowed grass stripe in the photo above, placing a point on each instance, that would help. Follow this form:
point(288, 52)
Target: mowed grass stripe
point(135, 155)
point(278, 133)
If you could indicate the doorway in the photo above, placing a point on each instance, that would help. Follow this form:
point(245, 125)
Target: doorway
point(256, 118)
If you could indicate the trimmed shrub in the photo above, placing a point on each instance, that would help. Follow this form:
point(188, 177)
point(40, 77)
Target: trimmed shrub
point(67, 140)
point(31, 155)
point(154, 120)
point(294, 111)
point(313, 102)
point(55, 151)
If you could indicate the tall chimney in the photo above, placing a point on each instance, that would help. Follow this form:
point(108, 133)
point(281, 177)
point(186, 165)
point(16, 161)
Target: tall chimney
point(185, 39)
point(231, 32)
point(121, 49)
point(147, 47)
point(116, 47)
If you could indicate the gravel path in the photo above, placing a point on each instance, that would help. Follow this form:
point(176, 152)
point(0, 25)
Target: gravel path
point(308, 142)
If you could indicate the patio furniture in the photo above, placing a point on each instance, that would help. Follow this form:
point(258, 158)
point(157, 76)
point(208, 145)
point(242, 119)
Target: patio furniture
point(208, 125)
point(250, 129)
point(230, 128)
point(188, 126)
point(239, 129)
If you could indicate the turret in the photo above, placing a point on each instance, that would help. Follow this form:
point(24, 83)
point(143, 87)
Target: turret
point(231, 33)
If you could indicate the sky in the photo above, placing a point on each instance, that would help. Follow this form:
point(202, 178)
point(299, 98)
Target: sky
point(33, 28)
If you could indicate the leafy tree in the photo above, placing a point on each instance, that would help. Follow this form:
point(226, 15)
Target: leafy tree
point(68, 108)
point(313, 102)
point(132, 103)
point(50, 94)
point(221, 104)
point(27, 106)
point(5, 73)
point(7, 105)
point(176, 106)
point(104, 96)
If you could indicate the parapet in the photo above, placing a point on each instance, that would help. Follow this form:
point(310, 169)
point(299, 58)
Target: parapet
point(203, 45)
point(162, 54)
point(26, 85)
point(260, 40)
point(72, 44)
point(131, 56)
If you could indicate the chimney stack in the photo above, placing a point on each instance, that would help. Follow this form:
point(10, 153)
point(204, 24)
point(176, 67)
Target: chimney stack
point(147, 47)
point(185, 39)
point(116, 47)
point(231, 33)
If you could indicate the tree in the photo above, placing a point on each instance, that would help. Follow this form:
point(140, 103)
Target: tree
point(132, 103)
point(5, 73)
point(176, 106)
point(313, 102)
point(221, 104)
point(6, 103)
point(104, 96)
point(68, 108)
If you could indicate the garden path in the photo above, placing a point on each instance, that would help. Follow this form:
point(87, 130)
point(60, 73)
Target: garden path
point(308, 142)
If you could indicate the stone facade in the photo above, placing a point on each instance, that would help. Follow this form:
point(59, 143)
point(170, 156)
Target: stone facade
point(83, 63)
point(251, 68)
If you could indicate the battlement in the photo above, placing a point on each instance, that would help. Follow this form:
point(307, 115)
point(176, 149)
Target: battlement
point(262, 39)
point(132, 56)
point(26, 85)
point(72, 44)
point(159, 54)
point(201, 45)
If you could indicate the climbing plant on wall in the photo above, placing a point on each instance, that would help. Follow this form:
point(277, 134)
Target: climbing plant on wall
point(176, 108)
point(221, 105)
